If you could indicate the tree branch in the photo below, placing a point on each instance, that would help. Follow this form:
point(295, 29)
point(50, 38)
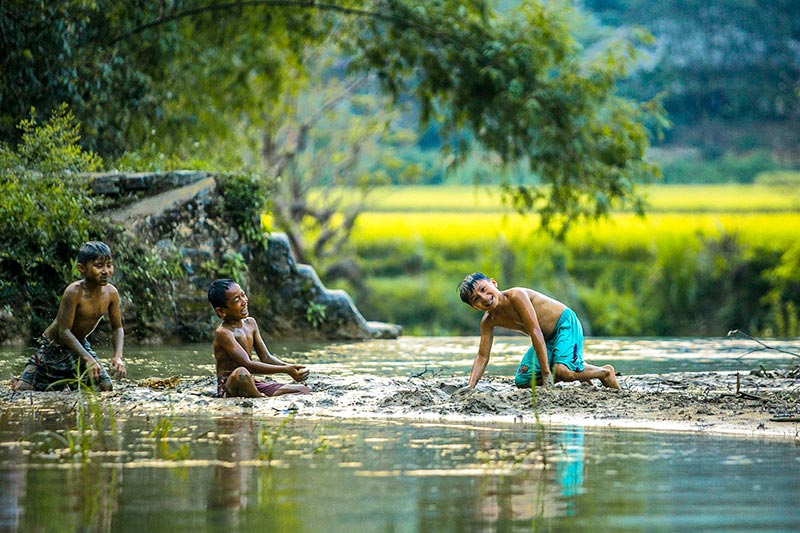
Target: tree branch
point(279, 3)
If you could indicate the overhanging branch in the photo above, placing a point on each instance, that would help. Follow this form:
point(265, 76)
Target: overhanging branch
point(278, 3)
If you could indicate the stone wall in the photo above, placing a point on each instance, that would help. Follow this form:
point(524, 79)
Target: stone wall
point(182, 211)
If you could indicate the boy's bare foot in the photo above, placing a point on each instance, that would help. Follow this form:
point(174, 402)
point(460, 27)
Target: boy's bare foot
point(611, 380)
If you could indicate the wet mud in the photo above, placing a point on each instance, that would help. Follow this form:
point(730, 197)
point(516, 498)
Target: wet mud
point(759, 404)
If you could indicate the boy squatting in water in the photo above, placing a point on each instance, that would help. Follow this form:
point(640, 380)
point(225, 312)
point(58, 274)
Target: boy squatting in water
point(234, 341)
point(64, 351)
point(556, 352)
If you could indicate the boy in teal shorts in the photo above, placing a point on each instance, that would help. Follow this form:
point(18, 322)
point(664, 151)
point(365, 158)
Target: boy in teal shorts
point(556, 352)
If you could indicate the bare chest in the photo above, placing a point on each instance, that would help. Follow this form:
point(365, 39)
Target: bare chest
point(91, 309)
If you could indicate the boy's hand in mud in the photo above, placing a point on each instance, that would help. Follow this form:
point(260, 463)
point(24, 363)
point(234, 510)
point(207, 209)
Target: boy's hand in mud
point(94, 369)
point(118, 369)
point(298, 372)
point(463, 391)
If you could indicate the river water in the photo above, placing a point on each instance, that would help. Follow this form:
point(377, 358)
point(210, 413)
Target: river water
point(207, 473)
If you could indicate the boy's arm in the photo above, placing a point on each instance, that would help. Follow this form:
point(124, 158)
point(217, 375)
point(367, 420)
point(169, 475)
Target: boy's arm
point(117, 335)
point(227, 342)
point(524, 308)
point(484, 350)
point(64, 321)
point(261, 347)
point(298, 372)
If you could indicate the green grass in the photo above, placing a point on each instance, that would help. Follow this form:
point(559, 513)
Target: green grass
point(711, 252)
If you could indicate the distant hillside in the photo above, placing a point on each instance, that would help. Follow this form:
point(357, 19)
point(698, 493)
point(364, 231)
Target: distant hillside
point(730, 70)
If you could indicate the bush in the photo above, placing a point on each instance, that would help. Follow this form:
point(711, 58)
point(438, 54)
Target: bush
point(244, 199)
point(47, 213)
point(779, 178)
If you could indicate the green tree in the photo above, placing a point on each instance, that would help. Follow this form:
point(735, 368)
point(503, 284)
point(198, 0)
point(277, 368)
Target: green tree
point(733, 59)
point(332, 146)
point(58, 52)
point(514, 82)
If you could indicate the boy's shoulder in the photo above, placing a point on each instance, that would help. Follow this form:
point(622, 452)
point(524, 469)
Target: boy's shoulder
point(110, 290)
point(75, 286)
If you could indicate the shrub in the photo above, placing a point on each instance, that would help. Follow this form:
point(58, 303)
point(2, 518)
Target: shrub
point(47, 212)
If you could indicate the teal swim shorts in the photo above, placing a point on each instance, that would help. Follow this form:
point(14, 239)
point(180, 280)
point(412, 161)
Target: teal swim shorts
point(564, 346)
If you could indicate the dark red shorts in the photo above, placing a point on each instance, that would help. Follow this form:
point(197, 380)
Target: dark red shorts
point(264, 387)
point(268, 389)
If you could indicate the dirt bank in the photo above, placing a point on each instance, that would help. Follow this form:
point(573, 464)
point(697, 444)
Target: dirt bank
point(757, 404)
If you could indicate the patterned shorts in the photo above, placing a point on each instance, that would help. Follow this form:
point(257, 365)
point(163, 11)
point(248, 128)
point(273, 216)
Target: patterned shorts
point(55, 367)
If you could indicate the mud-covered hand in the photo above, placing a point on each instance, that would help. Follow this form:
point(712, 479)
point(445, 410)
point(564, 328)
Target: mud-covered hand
point(118, 369)
point(298, 372)
point(94, 369)
point(463, 391)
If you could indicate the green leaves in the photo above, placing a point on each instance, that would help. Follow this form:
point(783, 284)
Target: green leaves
point(46, 210)
point(201, 79)
point(516, 84)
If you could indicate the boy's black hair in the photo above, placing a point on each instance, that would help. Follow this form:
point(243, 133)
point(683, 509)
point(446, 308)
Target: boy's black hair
point(217, 290)
point(467, 285)
point(89, 251)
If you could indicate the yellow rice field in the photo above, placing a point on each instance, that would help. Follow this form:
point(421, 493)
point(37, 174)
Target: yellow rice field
point(621, 231)
point(661, 198)
point(452, 215)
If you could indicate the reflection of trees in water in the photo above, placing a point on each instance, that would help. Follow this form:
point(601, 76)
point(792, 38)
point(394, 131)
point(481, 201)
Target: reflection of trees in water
point(241, 492)
point(96, 495)
point(82, 497)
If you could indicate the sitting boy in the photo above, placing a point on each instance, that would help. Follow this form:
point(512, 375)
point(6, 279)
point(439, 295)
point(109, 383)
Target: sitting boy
point(234, 341)
point(555, 332)
point(64, 353)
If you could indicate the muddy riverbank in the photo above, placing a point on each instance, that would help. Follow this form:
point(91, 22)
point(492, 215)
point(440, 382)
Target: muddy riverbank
point(754, 404)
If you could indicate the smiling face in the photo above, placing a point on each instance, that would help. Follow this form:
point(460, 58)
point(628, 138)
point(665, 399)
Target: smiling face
point(97, 271)
point(235, 304)
point(485, 295)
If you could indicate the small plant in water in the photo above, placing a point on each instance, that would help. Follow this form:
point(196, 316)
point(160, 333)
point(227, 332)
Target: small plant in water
point(268, 439)
point(162, 433)
point(90, 421)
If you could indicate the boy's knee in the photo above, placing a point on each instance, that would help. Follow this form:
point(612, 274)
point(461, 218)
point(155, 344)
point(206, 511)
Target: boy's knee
point(241, 374)
point(523, 381)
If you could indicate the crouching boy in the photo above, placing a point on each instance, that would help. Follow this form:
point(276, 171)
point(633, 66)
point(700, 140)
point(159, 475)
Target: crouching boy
point(64, 355)
point(556, 352)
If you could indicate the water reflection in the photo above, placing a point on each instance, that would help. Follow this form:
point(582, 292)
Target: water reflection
point(570, 467)
point(445, 356)
point(289, 474)
point(13, 481)
point(293, 474)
